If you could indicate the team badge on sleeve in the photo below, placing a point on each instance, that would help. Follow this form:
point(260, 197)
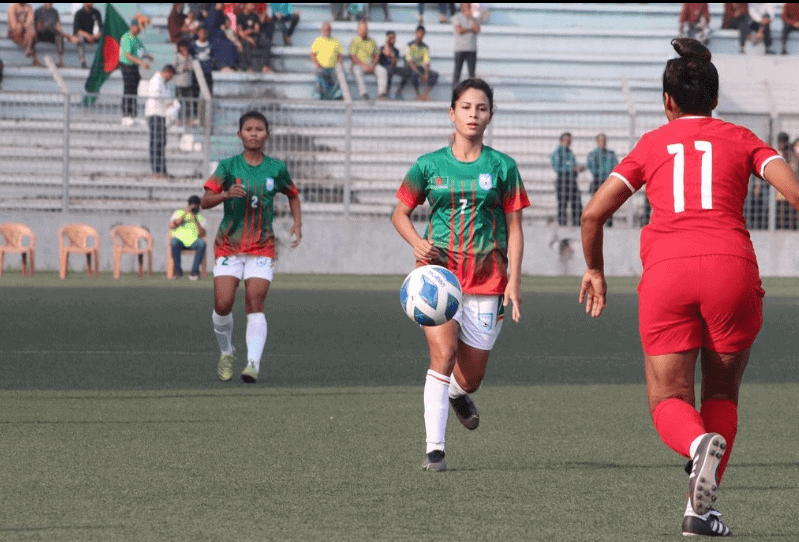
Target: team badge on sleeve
point(270, 183)
point(485, 180)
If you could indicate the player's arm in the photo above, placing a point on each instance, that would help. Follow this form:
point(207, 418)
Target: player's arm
point(780, 175)
point(608, 198)
point(423, 249)
point(296, 213)
point(515, 253)
point(211, 199)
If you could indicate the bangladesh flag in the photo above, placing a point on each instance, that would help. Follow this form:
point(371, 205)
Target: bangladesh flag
point(106, 59)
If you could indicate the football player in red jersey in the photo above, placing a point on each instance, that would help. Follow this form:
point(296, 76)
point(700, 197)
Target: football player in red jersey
point(700, 290)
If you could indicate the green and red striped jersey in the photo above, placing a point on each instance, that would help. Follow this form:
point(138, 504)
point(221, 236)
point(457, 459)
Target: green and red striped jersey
point(246, 226)
point(468, 203)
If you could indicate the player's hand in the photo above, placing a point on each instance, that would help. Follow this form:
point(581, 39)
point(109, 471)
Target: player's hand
point(592, 291)
point(424, 250)
point(512, 295)
point(296, 233)
point(236, 191)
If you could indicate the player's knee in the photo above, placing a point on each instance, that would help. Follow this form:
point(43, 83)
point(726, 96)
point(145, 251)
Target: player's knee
point(472, 383)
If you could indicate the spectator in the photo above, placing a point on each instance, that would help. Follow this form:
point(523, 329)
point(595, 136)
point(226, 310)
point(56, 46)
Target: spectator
point(224, 54)
point(695, 22)
point(480, 13)
point(131, 55)
point(327, 56)
point(183, 80)
point(202, 51)
point(363, 55)
point(790, 22)
point(736, 16)
point(48, 29)
point(248, 26)
point(188, 229)
point(384, 7)
point(758, 204)
point(600, 163)
point(760, 16)
point(158, 107)
point(286, 19)
point(386, 65)
point(21, 29)
point(566, 168)
point(442, 10)
point(175, 22)
point(417, 67)
point(466, 30)
point(786, 214)
point(87, 27)
point(339, 12)
point(263, 54)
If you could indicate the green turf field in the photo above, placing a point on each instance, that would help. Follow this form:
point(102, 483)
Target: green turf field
point(113, 426)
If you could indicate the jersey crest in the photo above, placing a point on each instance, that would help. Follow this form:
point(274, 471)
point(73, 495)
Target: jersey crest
point(485, 180)
point(270, 183)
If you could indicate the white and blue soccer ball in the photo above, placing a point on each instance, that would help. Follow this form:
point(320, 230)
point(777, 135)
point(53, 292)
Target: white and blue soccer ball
point(431, 295)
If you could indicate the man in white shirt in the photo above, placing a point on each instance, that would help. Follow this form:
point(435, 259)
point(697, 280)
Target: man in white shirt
point(157, 108)
point(761, 16)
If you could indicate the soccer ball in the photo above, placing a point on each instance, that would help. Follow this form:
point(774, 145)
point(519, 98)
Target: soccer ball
point(431, 295)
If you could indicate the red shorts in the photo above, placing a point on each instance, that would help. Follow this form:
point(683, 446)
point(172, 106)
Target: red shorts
point(715, 302)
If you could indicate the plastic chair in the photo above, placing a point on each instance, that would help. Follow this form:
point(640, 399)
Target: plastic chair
point(75, 238)
point(170, 263)
point(14, 235)
point(126, 240)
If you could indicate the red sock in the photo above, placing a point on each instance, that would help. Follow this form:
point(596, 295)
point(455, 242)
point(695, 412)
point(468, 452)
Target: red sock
point(721, 416)
point(678, 424)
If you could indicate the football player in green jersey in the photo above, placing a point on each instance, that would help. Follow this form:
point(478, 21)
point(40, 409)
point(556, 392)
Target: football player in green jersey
point(245, 243)
point(476, 199)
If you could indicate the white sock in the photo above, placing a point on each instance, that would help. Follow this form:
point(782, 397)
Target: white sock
point(455, 389)
point(223, 329)
point(695, 445)
point(256, 338)
point(436, 409)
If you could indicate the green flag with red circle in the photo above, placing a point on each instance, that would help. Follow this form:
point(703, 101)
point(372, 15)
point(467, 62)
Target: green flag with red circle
point(106, 59)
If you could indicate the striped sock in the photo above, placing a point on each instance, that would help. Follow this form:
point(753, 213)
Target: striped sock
point(436, 409)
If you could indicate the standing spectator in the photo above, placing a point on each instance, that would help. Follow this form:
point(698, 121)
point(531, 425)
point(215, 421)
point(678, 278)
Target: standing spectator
point(202, 52)
point(183, 80)
point(466, 30)
point(417, 67)
point(248, 26)
point(327, 56)
point(758, 204)
point(263, 54)
point(87, 27)
point(48, 28)
point(187, 227)
point(565, 165)
point(386, 65)
point(286, 18)
point(695, 22)
point(786, 215)
point(131, 55)
point(363, 55)
point(760, 16)
point(790, 22)
point(175, 22)
point(157, 109)
point(600, 163)
point(21, 29)
point(736, 16)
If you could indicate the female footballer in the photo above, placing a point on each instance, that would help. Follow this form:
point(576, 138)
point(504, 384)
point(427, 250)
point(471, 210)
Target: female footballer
point(245, 243)
point(476, 199)
point(700, 290)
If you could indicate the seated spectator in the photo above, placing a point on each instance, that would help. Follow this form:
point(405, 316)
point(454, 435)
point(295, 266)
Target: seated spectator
point(384, 7)
point(760, 16)
point(188, 228)
point(48, 28)
point(790, 22)
point(327, 56)
point(417, 62)
point(225, 55)
point(87, 27)
point(175, 22)
point(736, 16)
point(183, 80)
point(286, 18)
point(363, 55)
point(387, 65)
point(202, 51)
point(695, 22)
point(21, 29)
point(190, 26)
point(248, 26)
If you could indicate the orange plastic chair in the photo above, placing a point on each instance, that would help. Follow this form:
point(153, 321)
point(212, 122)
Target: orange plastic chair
point(14, 235)
point(75, 238)
point(126, 239)
point(170, 263)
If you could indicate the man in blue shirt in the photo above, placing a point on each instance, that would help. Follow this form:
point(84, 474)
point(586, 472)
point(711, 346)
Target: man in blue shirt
point(600, 163)
point(566, 167)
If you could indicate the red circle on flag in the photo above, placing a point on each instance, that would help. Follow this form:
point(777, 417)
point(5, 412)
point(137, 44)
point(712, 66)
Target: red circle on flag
point(110, 54)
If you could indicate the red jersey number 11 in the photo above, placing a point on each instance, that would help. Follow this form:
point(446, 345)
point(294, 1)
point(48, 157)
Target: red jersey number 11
point(706, 174)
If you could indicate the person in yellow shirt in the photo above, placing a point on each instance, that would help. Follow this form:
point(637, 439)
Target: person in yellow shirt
point(188, 229)
point(327, 56)
point(364, 54)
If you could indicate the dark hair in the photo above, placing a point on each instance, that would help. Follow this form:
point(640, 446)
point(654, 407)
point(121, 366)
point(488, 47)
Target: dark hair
point(391, 33)
point(477, 84)
point(565, 134)
point(783, 137)
point(183, 43)
point(691, 80)
point(169, 68)
point(420, 27)
point(253, 115)
point(194, 200)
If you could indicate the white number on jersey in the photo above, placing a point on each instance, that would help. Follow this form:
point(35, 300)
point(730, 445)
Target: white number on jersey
point(706, 174)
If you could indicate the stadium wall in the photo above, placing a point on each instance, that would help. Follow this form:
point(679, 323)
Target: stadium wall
point(371, 246)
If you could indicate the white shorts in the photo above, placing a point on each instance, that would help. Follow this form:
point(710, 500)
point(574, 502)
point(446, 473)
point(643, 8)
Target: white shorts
point(245, 266)
point(480, 317)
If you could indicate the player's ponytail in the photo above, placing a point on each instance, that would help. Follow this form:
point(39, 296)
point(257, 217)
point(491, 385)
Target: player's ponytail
point(691, 80)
